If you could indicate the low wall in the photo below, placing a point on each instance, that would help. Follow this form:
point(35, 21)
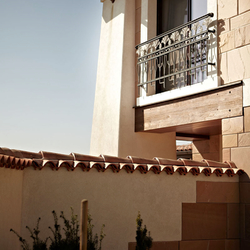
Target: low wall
point(11, 182)
point(114, 199)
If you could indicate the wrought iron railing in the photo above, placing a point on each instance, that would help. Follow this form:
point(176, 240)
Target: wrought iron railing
point(175, 58)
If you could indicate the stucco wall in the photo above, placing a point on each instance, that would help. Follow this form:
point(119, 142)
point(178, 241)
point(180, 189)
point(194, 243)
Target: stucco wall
point(114, 199)
point(10, 207)
point(114, 115)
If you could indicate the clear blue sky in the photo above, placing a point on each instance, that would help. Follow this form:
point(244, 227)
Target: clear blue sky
point(48, 64)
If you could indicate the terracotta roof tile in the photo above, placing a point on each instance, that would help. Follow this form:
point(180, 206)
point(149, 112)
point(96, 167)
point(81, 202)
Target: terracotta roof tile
point(185, 147)
point(163, 161)
point(55, 156)
point(187, 162)
point(108, 158)
point(80, 157)
point(137, 160)
point(18, 159)
point(216, 164)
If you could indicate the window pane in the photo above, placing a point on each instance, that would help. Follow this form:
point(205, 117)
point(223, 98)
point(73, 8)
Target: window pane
point(171, 13)
point(199, 8)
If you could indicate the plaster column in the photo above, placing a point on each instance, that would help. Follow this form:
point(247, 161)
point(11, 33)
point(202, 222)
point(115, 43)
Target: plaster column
point(113, 119)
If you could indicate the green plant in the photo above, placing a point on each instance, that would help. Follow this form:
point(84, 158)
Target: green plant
point(71, 230)
point(93, 240)
point(56, 241)
point(143, 241)
point(71, 241)
point(38, 244)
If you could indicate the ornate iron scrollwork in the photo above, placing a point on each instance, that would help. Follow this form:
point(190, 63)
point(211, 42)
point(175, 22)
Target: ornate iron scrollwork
point(177, 58)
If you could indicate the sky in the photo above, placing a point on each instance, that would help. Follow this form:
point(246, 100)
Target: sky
point(48, 65)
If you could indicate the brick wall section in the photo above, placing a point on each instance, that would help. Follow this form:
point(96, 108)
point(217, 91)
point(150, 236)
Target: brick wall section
point(234, 40)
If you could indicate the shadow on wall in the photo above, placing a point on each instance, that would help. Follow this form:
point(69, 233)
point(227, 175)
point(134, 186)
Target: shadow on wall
point(245, 211)
point(219, 219)
point(221, 28)
point(112, 9)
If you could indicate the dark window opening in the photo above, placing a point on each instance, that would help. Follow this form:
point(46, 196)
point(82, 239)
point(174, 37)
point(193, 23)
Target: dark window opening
point(171, 14)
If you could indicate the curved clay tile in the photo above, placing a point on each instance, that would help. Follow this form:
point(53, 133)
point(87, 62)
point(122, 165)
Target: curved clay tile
point(17, 159)
point(194, 170)
point(168, 169)
point(191, 163)
point(11, 160)
point(142, 168)
point(218, 171)
point(5, 159)
point(215, 164)
point(67, 164)
point(27, 163)
point(83, 165)
point(6, 151)
point(26, 154)
point(206, 171)
point(163, 161)
point(113, 159)
point(240, 172)
point(55, 156)
point(128, 167)
point(231, 164)
point(155, 168)
point(17, 162)
point(37, 164)
point(230, 172)
point(186, 147)
point(99, 166)
point(115, 167)
point(53, 164)
point(181, 170)
point(80, 157)
point(139, 160)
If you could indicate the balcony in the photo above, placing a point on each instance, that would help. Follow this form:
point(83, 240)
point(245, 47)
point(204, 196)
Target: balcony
point(177, 63)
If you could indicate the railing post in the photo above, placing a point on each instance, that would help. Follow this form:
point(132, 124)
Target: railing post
point(83, 225)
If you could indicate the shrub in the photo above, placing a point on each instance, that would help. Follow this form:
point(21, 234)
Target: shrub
point(143, 241)
point(38, 244)
point(93, 241)
point(71, 240)
point(71, 230)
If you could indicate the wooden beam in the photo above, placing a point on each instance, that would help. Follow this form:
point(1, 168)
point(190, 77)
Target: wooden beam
point(216, 104)
point(191, 137)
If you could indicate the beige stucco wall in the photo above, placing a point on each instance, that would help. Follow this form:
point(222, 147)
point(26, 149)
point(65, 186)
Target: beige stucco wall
point(11, 182)
point(105, 128)
point(113, 119)
point(114, 199)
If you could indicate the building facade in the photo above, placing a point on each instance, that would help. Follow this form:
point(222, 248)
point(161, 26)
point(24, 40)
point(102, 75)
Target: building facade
point(167, 70)
point(174, 70)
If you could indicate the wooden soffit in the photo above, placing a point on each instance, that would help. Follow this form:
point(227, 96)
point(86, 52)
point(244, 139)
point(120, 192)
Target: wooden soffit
point(198, 114)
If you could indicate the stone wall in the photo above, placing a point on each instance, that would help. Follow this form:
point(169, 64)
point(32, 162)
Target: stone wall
point(234, 40)
point(236, 139)
point(234, 60)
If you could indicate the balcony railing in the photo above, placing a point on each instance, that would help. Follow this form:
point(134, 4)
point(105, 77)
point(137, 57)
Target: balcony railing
point(176, 58)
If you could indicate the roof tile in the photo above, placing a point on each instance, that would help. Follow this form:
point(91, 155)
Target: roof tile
point(18, 159)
